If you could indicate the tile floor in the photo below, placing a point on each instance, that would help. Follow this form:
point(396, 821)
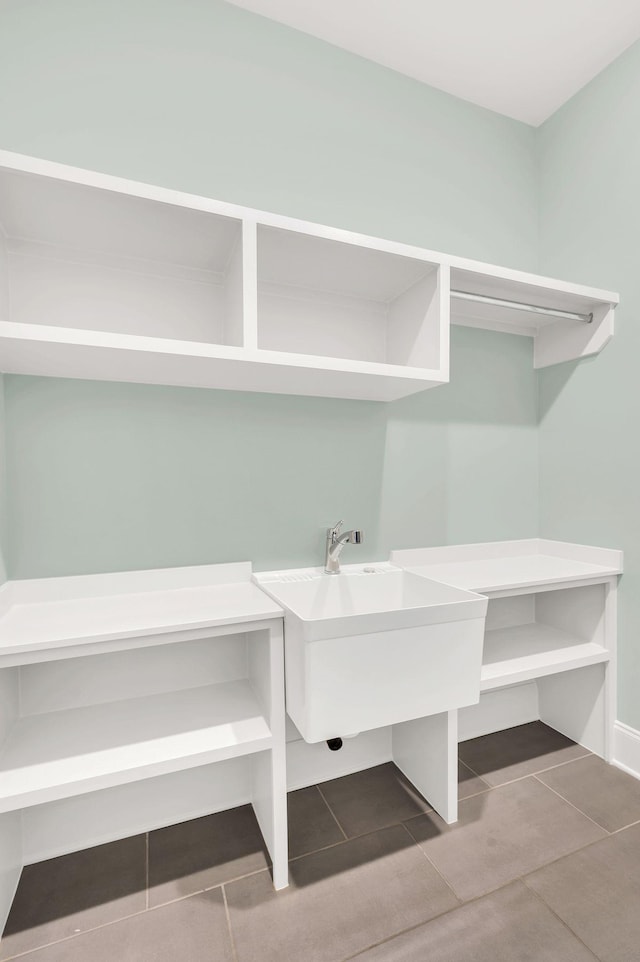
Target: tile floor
point(543, 865)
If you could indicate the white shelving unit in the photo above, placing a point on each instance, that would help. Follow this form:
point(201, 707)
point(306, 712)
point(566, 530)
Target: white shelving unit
point(105, 278)
point(550, 638)
point(111, 680)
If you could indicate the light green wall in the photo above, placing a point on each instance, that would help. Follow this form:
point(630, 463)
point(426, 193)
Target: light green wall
point(590, 412)
point(4, 528)
point(204, 97)
point(109, 476)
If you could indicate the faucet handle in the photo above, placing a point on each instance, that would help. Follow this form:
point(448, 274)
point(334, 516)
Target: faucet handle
point(335, 531)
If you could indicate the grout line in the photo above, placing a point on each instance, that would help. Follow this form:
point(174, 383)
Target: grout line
point(623, 828)
point(326, 848)
point(234, 951)
point(433, 866)
point(574, 807)
point(132, 915)
point(453, 909)
point(75, 935)
point(332, 812)
point(520, 778)
point(559, 918)
point(466, 765)
point(476, 898)
point(124, 918)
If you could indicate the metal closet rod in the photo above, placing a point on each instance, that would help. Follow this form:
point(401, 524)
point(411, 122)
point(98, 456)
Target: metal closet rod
point(522, 306)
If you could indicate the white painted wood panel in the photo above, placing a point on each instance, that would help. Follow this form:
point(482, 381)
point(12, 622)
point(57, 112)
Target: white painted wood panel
point(124, 300)
point(499, 709)
point(62, 753)
point(80, 682)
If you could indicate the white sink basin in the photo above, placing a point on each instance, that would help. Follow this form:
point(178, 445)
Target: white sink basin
point(366, 599)
point(374, 646)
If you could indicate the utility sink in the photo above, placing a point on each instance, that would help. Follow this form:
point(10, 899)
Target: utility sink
point(375, 645)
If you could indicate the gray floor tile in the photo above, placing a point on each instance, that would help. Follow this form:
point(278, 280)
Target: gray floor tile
point(607, 795)
point(516, 752)
point(76, 892)
point(204, 852)
point(511, 925)
point(339, 901)
point(372, 799)
point(502, 835)
point(192, 930)
point(597, 893)
point(469, 783)
point(311, 824)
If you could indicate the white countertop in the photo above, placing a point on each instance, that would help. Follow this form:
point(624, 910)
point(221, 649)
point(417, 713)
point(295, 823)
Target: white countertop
point(44, 614)
point(60, 612)
point(509, 565)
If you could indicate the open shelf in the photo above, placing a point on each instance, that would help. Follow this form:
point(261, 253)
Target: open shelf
point(79, 257)
point(333, 299)
point(59, 754)
point(524, 652)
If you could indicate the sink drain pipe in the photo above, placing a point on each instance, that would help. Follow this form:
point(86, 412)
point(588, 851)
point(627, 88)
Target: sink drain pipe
point(335, 744)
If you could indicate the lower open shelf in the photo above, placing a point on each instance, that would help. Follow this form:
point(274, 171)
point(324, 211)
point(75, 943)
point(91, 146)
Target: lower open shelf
point(524, 652)
point(58, 754)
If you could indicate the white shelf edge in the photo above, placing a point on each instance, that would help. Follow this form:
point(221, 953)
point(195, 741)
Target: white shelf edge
point(569, 653)
point(76, 175)
point(84, 337)
point(64, 765)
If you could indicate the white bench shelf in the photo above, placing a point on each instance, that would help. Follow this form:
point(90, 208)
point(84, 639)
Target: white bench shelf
point(108, 279)
point(525, 652)
point(58, 754)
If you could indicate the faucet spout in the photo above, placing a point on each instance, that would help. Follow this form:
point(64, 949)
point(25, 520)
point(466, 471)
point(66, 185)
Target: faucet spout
point(336, 542)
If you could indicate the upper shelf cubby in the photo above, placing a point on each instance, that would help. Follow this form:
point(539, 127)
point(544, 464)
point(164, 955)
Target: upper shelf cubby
point(77, 257)
point(342, 300)
point(111, 279)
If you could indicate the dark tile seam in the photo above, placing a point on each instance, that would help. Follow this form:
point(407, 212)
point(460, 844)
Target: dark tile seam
point(468, 767)
point(565, 924)
point(435, 867)
point(451, 911)
point(623, 828)
point(539, 771)
point(335, 818)
point(521, 878)
point(575, 807)
point(94, 928)
point(150, 908)
point(234, 952)
point(476, 898)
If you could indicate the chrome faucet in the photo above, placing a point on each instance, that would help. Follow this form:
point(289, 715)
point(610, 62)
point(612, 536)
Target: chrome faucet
point(335, 544)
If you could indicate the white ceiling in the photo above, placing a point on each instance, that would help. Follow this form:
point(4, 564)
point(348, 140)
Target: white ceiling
point(522, 58)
